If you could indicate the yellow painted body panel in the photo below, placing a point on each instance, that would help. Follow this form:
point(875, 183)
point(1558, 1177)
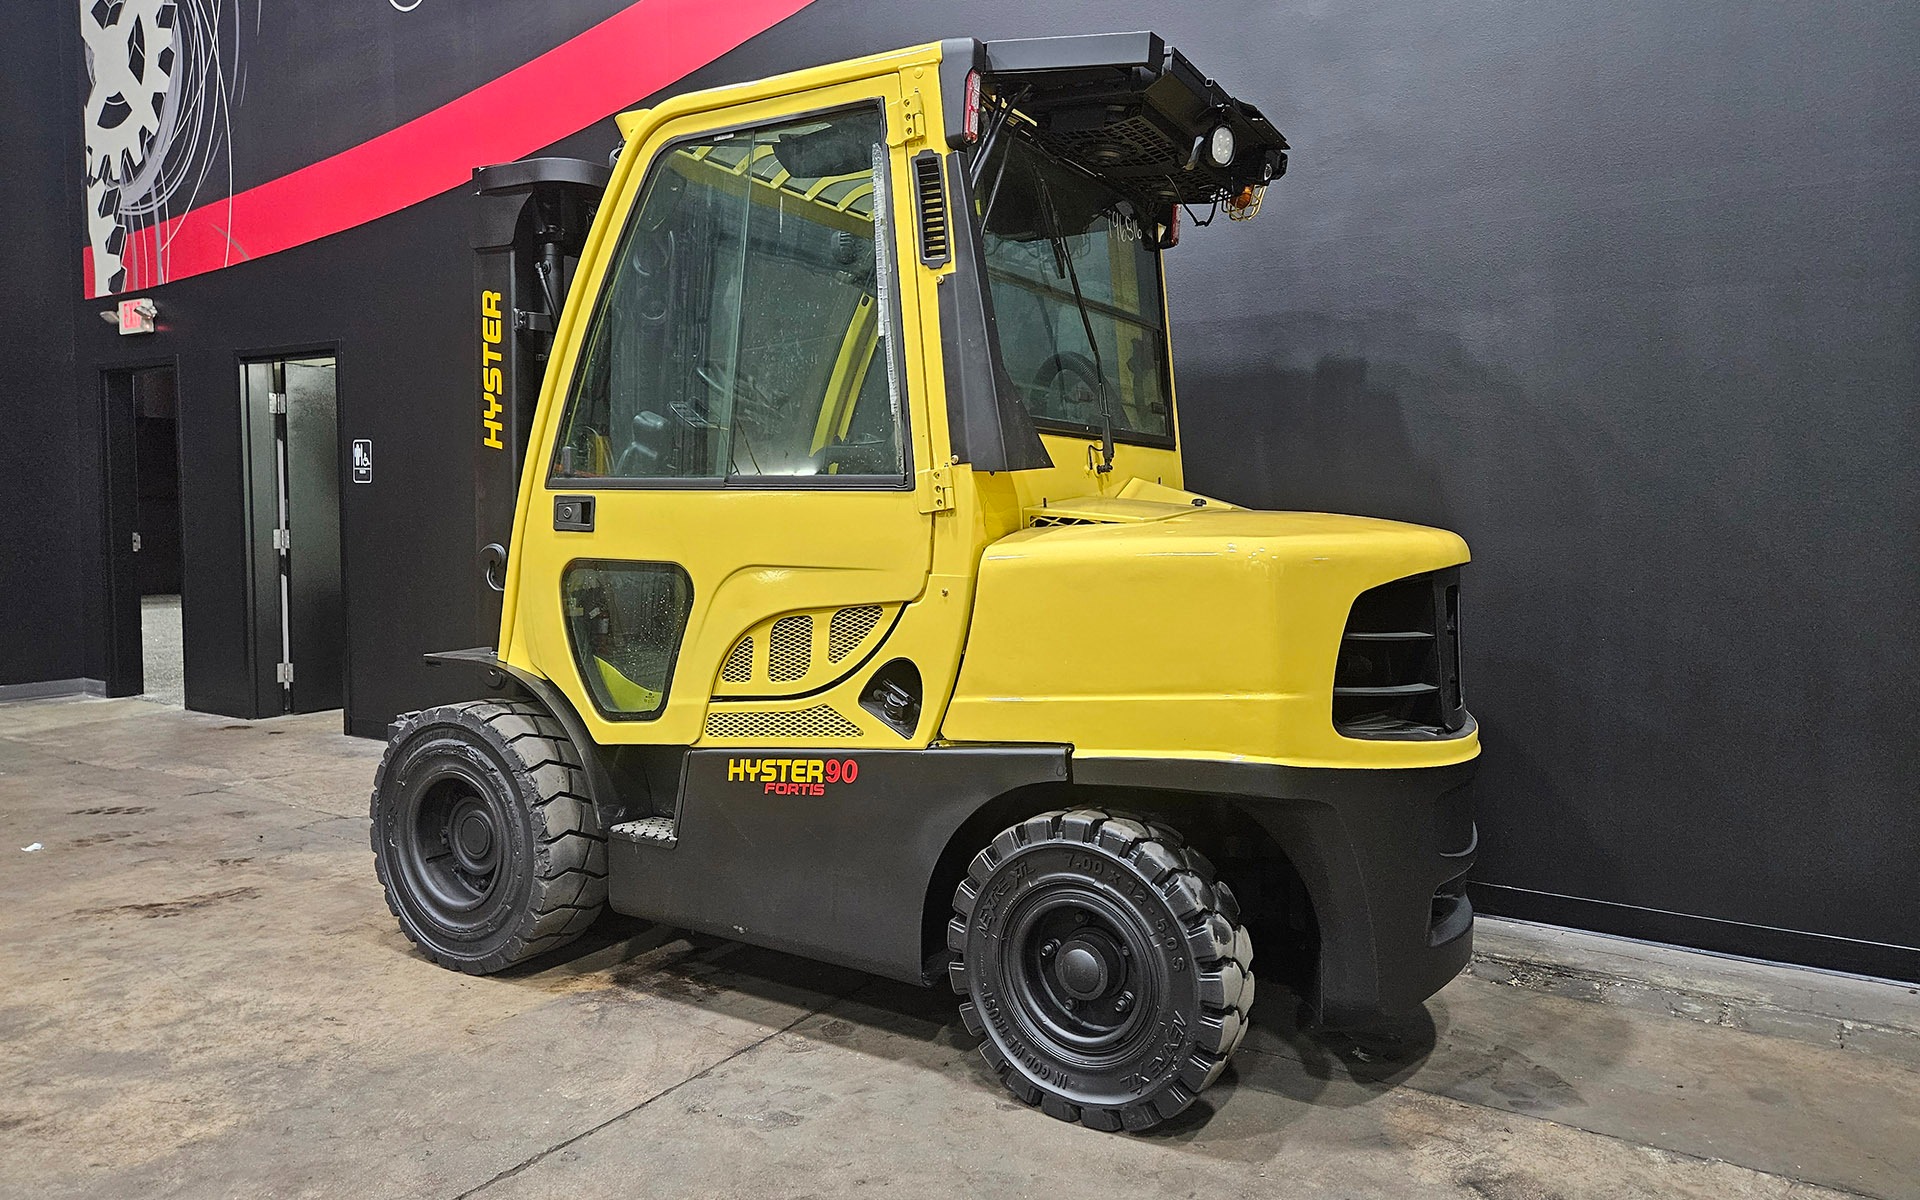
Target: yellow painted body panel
point(1137, 624)
point(1207, 635)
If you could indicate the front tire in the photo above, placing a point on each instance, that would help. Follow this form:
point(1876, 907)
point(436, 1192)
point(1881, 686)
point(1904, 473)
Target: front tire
point(483, 837)
point(1103, 965)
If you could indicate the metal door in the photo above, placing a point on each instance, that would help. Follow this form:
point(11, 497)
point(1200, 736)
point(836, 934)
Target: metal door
point(293, 492)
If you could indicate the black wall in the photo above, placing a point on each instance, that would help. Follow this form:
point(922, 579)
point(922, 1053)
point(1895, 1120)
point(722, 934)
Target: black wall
point(1626, 293)
point(48, 473)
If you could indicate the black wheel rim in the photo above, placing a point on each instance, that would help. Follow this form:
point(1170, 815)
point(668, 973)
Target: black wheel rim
point(450, 843)
point(1085, 973)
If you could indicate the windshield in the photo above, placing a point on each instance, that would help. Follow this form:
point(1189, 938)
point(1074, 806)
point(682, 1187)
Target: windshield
point(1039, 211)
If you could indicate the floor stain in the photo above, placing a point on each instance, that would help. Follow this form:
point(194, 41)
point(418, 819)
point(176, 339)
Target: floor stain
point(96, 839)
point(1507, 1187)
point(110, 811)
point(173, 908)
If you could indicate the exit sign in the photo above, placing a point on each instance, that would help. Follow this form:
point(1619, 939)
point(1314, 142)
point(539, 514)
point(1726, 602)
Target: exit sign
point(136, 316)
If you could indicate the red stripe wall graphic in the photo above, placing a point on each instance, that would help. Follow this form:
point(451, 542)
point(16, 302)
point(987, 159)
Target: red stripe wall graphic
point(607, 68)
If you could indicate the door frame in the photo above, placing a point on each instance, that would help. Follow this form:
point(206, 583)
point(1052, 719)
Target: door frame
point(124, 672)
point(536, 635)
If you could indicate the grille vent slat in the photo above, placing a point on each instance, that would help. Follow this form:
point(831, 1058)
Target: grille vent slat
point(790, 649)
point(848, 628)
point(739, 665)
point(931, 203)
point(819, 721)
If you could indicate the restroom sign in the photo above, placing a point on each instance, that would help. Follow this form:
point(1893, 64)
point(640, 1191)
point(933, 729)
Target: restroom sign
point(363, 460)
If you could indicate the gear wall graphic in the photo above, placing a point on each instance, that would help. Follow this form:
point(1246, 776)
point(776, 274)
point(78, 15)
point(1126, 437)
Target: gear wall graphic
point(162, 78)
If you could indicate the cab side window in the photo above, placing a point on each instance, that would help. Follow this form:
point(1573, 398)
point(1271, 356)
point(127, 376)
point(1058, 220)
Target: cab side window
point(742, 333)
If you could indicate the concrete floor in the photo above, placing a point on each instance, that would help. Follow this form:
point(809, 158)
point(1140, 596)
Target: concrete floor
point(160, 650)
point(203, 995)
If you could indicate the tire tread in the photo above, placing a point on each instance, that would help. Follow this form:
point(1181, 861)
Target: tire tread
point(569, 848)
point(1210, 916)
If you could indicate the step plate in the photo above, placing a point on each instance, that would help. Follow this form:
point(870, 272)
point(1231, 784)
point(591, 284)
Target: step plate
point(647, 829)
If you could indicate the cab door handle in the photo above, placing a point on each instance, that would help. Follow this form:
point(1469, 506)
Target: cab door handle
point(573, 514)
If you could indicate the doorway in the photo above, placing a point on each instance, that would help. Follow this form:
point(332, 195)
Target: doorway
point(144, 557)
point(290, 419)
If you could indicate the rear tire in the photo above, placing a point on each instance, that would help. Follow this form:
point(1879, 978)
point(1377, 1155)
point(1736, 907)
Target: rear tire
point(483, 836)
point(1103, 967)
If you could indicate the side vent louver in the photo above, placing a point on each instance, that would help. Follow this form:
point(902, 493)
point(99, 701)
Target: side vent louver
point(849, 629)
point(790, 649)
point(819, 721)
point(931, 201)
point(1398, 674)
point(739, 665)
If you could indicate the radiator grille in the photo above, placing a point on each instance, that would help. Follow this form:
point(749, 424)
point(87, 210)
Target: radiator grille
point(932, 203)
point(1398, 674)
point(739, 665)
point(849, 628)
point(790, 649)
point(820, 721)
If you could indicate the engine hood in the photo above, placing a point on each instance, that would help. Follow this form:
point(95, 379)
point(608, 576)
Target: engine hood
point(1154, 627)
point(1118, 529)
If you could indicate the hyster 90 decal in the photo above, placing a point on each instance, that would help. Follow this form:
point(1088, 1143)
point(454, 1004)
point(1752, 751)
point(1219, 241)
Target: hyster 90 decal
point(792, 776)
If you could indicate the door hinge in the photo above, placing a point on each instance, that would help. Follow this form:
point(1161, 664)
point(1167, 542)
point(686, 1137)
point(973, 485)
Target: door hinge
point(936, 489)
point(277, 403)
point(283, 672)
point(910, 120)
point(283, 539)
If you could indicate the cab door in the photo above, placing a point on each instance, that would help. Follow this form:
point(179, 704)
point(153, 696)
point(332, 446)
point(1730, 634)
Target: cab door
point(735, 451)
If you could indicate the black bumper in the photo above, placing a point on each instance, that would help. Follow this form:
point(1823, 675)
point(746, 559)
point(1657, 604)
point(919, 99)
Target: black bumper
point(1382, 854)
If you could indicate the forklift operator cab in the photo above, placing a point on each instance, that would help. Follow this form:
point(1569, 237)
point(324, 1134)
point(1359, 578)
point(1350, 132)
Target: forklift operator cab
point(856, 606)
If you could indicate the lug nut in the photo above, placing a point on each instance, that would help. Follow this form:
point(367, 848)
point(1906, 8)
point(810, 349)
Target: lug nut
point(1125, 952)
point(1047, 950)
point(1079, 918)
point(1072, 1004)
point(1123, 1002)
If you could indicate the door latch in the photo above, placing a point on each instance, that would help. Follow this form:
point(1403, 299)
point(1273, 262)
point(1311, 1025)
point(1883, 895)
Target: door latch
point(573, 514)
point(136, 541)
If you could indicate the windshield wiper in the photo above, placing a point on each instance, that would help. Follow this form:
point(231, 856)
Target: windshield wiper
point(1063, 255)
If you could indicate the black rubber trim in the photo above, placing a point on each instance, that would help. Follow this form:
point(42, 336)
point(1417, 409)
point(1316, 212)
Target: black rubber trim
point(1267, 781)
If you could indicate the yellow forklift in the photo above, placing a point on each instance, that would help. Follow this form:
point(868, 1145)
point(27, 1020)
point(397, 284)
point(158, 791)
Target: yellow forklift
point(856, 605)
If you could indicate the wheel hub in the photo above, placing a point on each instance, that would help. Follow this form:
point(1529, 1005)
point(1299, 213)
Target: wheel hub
point(1082, 969)
point(1079, 979)
point(471, 837)
point(453, 842)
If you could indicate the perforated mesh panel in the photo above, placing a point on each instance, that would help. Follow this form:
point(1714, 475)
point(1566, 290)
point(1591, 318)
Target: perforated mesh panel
point(820, 721)
point(1047, 521)
point(739, 665)
point(1131, 142)
point(790, 649)
point(848, 628)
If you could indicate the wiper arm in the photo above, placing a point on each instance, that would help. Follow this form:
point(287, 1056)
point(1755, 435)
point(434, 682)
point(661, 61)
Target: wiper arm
point(1063, 255)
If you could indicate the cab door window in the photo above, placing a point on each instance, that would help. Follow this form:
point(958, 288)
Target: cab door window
point(743, 333)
